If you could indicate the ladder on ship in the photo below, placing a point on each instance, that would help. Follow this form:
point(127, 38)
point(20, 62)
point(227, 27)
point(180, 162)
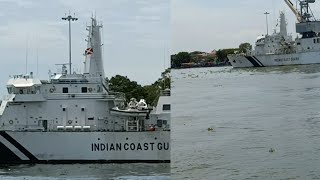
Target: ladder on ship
point(133, 124)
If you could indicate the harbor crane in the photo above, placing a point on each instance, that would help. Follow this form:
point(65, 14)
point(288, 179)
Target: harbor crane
point(303, 15)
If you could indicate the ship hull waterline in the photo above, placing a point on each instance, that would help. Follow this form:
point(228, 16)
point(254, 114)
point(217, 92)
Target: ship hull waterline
point(84, 147)
point(275, 59)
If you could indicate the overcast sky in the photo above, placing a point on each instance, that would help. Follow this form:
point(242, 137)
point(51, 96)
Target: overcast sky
point(206, 25)
point(136, 36)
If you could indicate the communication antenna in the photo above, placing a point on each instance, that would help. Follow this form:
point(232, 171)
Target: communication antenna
point(266, 13)
point(27, 55)
point(37, 63)
point(69, 18)
point(164, 66)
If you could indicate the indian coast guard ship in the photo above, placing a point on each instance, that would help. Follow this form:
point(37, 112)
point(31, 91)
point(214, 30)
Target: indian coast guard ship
point(279, 49)
point(74, 118)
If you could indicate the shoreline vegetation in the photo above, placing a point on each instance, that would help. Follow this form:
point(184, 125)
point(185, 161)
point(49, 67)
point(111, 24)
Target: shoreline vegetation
point(132, 89)
point(214, 58)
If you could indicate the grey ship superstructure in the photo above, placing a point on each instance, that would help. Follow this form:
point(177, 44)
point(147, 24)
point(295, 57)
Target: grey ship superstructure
point(76, 118)
point(279, 49)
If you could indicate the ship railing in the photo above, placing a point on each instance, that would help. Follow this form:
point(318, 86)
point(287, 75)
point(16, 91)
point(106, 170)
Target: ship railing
point(89, 129)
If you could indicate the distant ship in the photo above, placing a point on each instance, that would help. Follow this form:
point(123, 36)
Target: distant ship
point(279, 49)
point(75, 118)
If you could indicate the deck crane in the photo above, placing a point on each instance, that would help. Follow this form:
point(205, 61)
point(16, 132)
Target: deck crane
point(305, 26)
point(303, 15)
point(294, 10)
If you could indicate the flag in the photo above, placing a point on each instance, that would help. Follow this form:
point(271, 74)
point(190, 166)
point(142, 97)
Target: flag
point(88, 51)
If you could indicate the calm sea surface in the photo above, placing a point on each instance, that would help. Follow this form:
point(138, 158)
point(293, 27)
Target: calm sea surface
point(86, 172)
point(250, 111)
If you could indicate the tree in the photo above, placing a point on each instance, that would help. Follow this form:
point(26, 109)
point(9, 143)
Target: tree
point(245, 47)
point(132, 89)
point(178, 59)
point(222, 54)
point(196, 52)
point(211, 59)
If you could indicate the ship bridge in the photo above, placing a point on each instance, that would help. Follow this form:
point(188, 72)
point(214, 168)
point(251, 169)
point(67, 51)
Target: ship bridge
point(23, 84)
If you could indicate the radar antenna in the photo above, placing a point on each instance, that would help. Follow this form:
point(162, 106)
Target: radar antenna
point(64, 67)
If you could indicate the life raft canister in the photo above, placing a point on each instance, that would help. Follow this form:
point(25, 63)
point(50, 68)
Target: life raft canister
point(152, 128)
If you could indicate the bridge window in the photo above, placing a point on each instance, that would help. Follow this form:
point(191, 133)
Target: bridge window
point(65, 90)
point(166, 107)
point(84, 89)
point(10, 90)
point(314, 40)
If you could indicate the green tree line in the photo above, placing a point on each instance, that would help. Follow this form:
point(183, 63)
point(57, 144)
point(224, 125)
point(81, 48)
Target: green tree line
point(221, 56)
point(132, 89)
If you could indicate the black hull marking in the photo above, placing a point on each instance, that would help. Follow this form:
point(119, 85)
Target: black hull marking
point(3, 161)
point(7, 155)
point(258, 61)
point(18, 146)
point(253, 62)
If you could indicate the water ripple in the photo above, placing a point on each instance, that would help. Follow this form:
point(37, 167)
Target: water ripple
point(251, 110)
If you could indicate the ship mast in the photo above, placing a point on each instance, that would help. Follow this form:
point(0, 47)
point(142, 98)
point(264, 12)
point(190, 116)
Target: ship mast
point(266, 13)
point(69, 18)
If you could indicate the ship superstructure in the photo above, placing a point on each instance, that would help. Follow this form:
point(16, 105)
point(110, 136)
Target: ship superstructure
point(279, 49)
point(76, 118)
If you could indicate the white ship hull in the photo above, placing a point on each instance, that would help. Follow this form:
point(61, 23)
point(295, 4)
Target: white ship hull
point(84, 147)
point(274, 60)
